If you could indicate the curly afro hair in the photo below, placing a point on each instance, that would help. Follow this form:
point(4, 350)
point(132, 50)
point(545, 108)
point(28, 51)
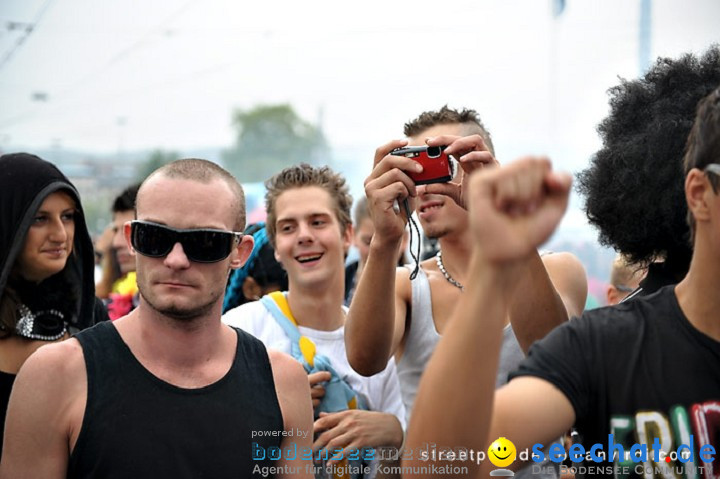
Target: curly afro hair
point(634, 187)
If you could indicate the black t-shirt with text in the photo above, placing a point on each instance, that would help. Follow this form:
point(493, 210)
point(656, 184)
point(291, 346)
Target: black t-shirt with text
point(638, 371)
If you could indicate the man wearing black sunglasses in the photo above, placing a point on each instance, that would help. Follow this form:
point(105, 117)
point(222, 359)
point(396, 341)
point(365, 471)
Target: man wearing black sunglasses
point(167, 391)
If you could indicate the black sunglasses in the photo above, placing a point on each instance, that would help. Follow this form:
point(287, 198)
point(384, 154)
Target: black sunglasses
point(200, 245)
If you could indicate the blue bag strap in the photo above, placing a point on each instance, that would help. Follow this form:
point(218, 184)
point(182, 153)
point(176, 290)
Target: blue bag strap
point(288, 327)
point(339, 396)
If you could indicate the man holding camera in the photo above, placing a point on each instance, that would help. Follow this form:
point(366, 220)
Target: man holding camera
point(392, 315)
point(640, 380)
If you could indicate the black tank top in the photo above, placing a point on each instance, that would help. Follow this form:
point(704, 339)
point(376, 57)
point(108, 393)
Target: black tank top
point(138, 426)
point(6, 384)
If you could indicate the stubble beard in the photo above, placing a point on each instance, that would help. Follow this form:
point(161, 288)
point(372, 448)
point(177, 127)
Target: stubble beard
point(186, 314)
point(436, 232)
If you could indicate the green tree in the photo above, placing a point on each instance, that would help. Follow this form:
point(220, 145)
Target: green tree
point(272, 137)
point(96, 210)
point(156, 159)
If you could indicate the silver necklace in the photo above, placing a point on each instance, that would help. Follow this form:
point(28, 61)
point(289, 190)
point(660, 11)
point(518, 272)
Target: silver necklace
point(450, 279)
point(27, 328)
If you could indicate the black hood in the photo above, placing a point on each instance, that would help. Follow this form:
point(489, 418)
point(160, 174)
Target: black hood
point(25, 182)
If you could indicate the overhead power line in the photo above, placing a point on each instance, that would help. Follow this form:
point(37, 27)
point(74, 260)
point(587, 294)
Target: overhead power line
point(29, 28)
point(79, 84)
point(142, 42)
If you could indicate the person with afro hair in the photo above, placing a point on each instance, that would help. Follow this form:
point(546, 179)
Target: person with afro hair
point(634, 186)
point(641, 377)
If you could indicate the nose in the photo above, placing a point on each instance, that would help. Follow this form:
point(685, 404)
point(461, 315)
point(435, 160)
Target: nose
point(118, 239)
point(58, 231)
point(176, 258)
point(304, 233)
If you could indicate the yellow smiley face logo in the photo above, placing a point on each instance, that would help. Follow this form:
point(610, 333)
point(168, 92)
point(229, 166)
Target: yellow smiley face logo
point(501, 452)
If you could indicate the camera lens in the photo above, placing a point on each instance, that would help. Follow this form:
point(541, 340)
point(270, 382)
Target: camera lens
point(433, 151)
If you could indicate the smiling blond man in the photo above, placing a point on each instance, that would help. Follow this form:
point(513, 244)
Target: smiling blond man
point(310, 228)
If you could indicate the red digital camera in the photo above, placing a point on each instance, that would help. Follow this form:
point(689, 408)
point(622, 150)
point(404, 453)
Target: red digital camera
point(438, 167)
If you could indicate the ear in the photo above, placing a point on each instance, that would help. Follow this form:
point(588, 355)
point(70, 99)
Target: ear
point(611, 295)
point(242, 251)
point(354, 240)
point(698, 194)
point(251, 290)
point(127, 228)
point(348, 238)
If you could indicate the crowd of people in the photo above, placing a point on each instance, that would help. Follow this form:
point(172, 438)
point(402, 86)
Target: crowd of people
point(212, 348)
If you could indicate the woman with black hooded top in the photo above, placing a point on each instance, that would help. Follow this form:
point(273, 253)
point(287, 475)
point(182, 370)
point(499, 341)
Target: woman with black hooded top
point(46, 264)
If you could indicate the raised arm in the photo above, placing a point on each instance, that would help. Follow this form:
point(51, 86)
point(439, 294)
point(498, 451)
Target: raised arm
point(512, 210)
point(535, 306)
point(376, 321)
point(550, 289)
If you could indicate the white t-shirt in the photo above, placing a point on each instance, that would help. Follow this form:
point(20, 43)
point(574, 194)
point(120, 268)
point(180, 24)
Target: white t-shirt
point(382, 390)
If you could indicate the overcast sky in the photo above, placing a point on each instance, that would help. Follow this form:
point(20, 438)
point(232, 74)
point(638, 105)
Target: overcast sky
point(111, 75)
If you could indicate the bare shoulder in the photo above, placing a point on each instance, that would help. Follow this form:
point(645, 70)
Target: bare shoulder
point(54, 363)
point(564, 261)
point(55, 374)
point(44, 412)
point(569, 278)
point(287, 372)
point(293, 391)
